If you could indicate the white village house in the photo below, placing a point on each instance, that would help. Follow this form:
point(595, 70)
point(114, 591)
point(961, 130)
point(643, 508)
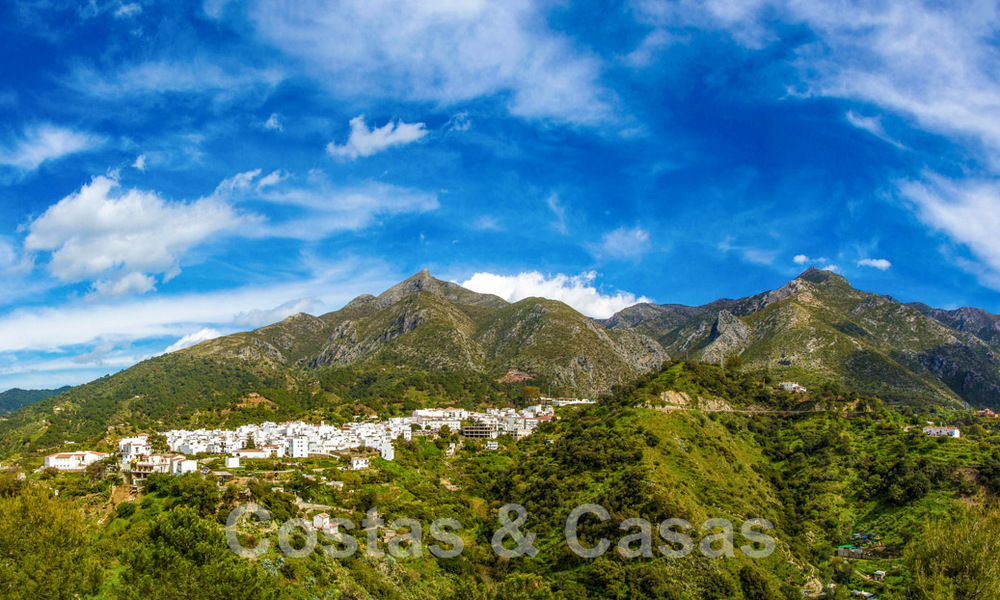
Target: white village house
point(73, 461)
point(952, 432)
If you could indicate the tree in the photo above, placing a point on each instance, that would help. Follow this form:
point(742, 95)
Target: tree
point(96, 471)
point(532, 392)
point(44, 549)
point(158, 443)
point(955, 558)
point(185, 556)
point(754, 586)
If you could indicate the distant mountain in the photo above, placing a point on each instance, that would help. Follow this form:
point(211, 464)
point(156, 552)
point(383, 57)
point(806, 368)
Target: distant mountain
point(818, 328)
point(16, 398)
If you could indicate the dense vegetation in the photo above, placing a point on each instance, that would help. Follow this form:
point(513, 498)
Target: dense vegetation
point(14, 399)
point(821, 470)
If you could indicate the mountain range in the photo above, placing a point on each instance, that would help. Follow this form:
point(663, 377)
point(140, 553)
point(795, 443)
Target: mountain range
point(816, 329)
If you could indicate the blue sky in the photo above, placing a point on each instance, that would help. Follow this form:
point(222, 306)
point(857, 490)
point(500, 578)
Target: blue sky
point(175, 171)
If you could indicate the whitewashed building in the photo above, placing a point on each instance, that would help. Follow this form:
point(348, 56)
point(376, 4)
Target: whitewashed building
point(952, 432)
point(73, 461)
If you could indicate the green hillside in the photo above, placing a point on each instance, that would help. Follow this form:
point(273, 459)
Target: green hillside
point(16, 398)
point(834, 465)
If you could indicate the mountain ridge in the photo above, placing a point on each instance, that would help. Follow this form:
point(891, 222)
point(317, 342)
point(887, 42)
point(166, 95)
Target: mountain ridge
point(815, 329)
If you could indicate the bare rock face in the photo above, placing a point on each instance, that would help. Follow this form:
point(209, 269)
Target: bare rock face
point(729, 336)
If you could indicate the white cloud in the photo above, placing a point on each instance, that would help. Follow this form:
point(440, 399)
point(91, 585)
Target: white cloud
point(444, 52)
point(802, 259)
point(577, 291)
point(967, 211)
point(832, 268)
point(878, 263)
point(366, 142)
point(622, 243)
point(459, 122)
point(124, 285)
point(104, 233)
point(933, 65)
point(487, 223)
point(140, 162)
point(260, 317)
point(272, 178)
point(54, 328)
point(227, 79)
point(193, 338)
point(44, 143)
point(322, 208)
point(272, 123)
point(128, 10)
point(559, 211)
point(8, 256)
point(872, 125)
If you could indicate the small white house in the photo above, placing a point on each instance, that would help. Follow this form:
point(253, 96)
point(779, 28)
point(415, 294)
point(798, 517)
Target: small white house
point(232, 462)
point(251, 453)
point(73, 461)
point(358, 463)
point(792, 386)
point(492, 445)
point(321, 521)
point(952, 432)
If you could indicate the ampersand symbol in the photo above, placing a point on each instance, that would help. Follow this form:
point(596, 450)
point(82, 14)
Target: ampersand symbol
point(512, 529)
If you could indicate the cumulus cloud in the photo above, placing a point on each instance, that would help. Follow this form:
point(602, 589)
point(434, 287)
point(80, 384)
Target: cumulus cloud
point(819, 261)
point(44, 143)
point(119, 237)
point(140, 162)
point(193, 338)
point(577, 291)
point(272, 123)
point(622, 243)
point(877, 263)
point(366, 142)
point(272, 178)
point(447, 52)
